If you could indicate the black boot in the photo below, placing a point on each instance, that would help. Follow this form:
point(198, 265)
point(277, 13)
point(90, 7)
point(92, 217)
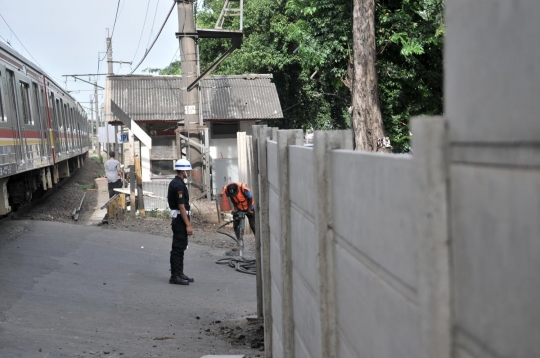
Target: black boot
point(184, 277)
point(178, 280)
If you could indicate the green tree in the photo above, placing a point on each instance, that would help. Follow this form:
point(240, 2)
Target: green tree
point(308, 46)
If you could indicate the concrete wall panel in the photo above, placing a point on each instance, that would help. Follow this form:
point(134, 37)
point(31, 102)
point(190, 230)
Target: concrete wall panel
point(273, 169)
point(300, 349)
point(373, 204)
point(301, 178)
point(492, 81)
point(307, 320)
point(275, 263)
point(496, 249)
point(275, 219)
point(373, 317)
point(304, 248)
point(277, 313)
point(277, 344)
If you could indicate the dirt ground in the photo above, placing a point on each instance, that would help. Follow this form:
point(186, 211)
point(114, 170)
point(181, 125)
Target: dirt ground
point(59, 206)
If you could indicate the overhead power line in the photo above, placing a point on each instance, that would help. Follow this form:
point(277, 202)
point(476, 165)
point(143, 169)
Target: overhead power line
point(112, 34)
point(140, 37)
point(153, 22)
point(13, 32)
point(157, 36)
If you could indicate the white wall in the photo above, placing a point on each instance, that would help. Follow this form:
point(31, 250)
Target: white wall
point(223, 148)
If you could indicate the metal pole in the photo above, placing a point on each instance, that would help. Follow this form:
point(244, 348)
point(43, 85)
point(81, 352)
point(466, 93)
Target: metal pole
point(109, 73)
point(97, 118)
point(109, 57)
point(93, 123)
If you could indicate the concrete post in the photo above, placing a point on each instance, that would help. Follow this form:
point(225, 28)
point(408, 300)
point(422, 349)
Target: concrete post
point(97, 120)
point(188, 56)
point(284, 139)
point(255, 188)
point(434, 295)
point(274, 133)
point(264, 134)
point(324, 143)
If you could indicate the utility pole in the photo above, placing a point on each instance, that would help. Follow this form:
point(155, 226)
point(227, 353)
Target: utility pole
point(188, 56)
point(110, 72)
point(97, 118)
point(94, 128)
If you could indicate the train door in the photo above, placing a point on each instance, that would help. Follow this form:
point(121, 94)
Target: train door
point(40, 119)
point(16, 126)
point(55, 143)
point(59, 129)
point(27, 124)
point(7, 156)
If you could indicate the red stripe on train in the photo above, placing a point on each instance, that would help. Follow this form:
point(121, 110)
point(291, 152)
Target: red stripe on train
point(8, 133)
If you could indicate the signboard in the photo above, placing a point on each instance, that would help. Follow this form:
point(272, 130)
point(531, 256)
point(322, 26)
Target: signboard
point(190, 110)
point(123, 137)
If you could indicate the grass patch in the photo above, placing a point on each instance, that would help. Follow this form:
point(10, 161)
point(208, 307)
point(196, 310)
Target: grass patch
point(85, 187)
point(160, 214)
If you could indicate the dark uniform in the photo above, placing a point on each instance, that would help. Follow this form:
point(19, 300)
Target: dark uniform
point(178, 194)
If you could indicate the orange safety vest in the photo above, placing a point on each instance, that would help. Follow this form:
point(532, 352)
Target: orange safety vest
point(240, 199)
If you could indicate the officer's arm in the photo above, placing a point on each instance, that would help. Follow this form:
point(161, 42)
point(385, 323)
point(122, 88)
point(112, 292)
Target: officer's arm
point(183, 215)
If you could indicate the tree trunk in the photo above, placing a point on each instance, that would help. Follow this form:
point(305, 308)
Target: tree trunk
point(366, 112)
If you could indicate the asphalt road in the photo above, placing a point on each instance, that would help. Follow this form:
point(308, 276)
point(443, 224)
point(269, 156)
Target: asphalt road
point(74, 291)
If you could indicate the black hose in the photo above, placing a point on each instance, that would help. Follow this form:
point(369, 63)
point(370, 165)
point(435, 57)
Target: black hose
point(240, 264)
point(224, 233)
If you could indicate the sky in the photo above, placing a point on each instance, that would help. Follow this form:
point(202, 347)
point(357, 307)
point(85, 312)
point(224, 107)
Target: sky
point(65, 37)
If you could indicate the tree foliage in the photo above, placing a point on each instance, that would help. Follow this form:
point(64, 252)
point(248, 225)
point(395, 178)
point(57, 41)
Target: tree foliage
point(307, 46)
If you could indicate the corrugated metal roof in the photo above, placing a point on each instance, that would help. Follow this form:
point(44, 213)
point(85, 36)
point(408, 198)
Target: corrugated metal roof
point(223, 98)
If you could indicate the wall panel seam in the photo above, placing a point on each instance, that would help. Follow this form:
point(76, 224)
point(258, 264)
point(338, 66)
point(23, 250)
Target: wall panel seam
point(305, 283)
point(473, 345)
point(301, 340)
point(303, 212)
point(395, 283)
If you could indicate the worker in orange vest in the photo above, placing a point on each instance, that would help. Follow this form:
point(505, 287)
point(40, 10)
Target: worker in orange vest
point(242, 199)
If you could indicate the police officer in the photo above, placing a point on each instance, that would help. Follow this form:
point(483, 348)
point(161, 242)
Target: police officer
point(178, 198)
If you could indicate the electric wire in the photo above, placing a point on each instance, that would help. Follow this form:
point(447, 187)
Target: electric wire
point(112, 34)
point(152, 28)
point(142, 31)
point(157, 36)
point(13, 32)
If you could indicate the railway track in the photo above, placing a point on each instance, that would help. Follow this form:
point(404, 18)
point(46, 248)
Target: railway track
point(19, 214)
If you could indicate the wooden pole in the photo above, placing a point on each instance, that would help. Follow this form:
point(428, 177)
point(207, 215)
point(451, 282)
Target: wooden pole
point(132, 199)
point(138, 174)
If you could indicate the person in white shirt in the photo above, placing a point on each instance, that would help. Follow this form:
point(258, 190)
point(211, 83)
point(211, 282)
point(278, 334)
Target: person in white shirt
point(113, 173)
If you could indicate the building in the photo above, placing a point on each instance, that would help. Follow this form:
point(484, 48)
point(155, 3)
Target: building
point(229, 104)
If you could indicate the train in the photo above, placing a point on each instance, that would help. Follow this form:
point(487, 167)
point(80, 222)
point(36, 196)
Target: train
point(44, 132)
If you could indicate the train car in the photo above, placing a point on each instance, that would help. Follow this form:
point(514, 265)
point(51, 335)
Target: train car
point(44, 134)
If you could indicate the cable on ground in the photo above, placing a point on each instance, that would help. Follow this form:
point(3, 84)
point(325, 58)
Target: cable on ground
point(240, 264)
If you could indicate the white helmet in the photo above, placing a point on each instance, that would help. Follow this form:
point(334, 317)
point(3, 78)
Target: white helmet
point(182, 164)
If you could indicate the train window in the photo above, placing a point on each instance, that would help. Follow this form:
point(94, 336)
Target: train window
point(12, 94)
point(36, 102)
point(3, 117)
point(26, 109)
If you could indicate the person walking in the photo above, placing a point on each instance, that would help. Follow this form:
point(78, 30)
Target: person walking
point(242, 199)
point(178, 199)
point(113, 173)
